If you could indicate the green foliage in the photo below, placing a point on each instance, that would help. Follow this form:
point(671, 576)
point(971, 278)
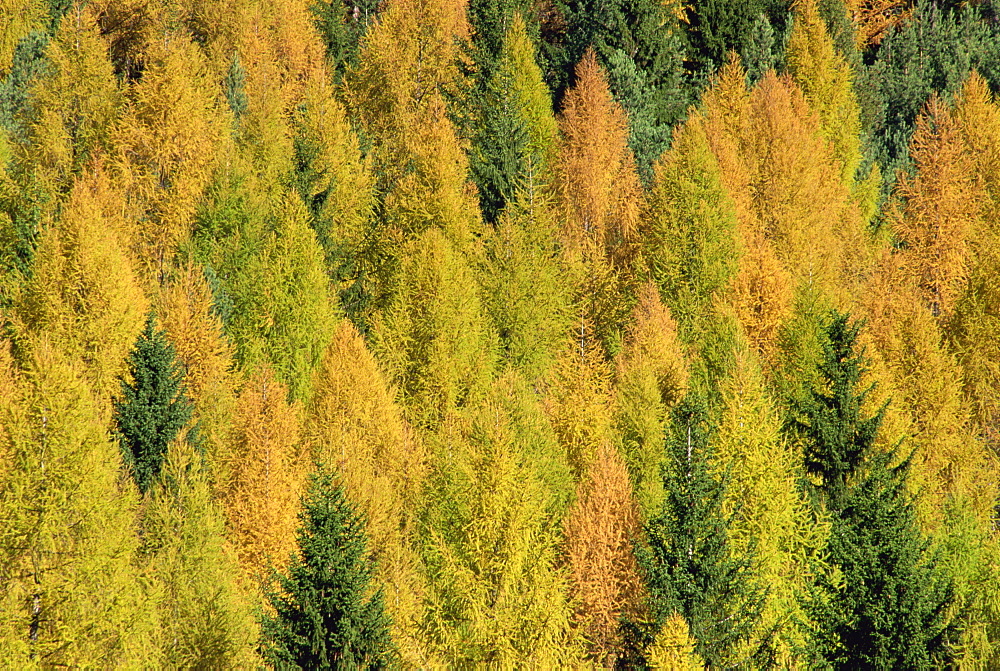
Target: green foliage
point(234, 87)
point(690, 566)
point(933, 51)
point(326, 614)
point(757, 30)
point(341, 26)
point(29, 63)
point(153, 406)
point(889, 612)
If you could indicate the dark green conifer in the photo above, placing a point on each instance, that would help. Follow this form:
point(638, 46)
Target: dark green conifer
point(153, 406)
point(689, 567)
point(326, 614)
point(889, 612)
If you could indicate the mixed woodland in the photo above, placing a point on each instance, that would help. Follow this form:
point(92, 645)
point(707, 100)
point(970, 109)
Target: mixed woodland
point(499, 333)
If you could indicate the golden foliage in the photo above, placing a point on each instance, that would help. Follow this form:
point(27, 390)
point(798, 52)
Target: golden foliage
point(84, 293)
point(597, 178)
point(942, 204)
point(601, 529)
point(266, 475)
point(874, 19)
point(17, 19)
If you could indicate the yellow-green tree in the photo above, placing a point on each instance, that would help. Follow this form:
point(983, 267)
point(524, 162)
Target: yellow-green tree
point(205, 619)
point(17, 19)
point(652, 375)
point(434, 339)
point(491, 531)
point(70, 594)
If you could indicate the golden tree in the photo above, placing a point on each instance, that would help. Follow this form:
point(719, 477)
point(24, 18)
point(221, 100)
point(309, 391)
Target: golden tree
point(601, 530)
point(265, 475)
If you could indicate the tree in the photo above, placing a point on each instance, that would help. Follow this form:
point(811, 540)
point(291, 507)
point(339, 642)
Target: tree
point(691, 567)
point(942, 205)
point(153, 406)
point(491, 527)
point(326, 615)
point(602, 528)
point(355, 423)
point(265, 475)
point(69, 591)
point(890, 610)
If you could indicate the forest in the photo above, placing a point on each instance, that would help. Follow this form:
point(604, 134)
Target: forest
point(636, 334)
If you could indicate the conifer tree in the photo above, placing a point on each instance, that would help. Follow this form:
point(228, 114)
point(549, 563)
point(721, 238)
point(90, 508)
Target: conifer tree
point(153, 406)
point(326, 615)
point(601, 529)
point(691, 567)
point(69, 591)
point(890, 611)
point(204, 615)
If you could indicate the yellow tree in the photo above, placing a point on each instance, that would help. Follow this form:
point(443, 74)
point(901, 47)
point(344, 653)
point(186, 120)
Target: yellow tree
point(70, 594)
point(185, 312)
point(73, 110)
point(265, 475)
point(942, 204)
point(602, 528)
point(579, 400)
point(652, 376)
point(17, 19)
point(673, 649)
point(167, 143)
point(84, 292)
point(974, 328)
point(354, 425)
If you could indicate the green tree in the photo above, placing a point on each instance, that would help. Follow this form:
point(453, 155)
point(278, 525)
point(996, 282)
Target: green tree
point(890, 610)
point(326, 615)
point(153, 407)
point(690, 566)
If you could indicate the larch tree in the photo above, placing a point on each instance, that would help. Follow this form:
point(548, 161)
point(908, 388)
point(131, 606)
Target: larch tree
point(652, 376)
point(19, 18)
point(491, 531)
point(84, 291)
point(205, 619)
point(973, 329)
point(167, 142)
point(602, 528)
point(434, 339)
point(353, 425)
point(70, 592)
point(265, 475)
point(942, 204)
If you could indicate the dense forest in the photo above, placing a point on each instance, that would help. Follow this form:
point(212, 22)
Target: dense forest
point(499, 333)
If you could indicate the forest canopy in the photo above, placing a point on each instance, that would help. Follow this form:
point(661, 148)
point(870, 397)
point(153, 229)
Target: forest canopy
point(466, 333)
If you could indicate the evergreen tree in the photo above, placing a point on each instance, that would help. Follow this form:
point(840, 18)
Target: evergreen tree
point(690, 568)
point(153, 406)
point(890, 610)
point(326, 616)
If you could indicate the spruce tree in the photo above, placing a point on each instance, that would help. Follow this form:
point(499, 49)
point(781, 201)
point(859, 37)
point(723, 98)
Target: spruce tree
point(153, 406)
point(889, 612)
point(690, 568)
point(326, 615)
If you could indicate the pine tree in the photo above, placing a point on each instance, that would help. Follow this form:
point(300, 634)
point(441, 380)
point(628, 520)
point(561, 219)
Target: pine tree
point(326, 615)
point(153, 406)
point(890, 610)
point(691, 568)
